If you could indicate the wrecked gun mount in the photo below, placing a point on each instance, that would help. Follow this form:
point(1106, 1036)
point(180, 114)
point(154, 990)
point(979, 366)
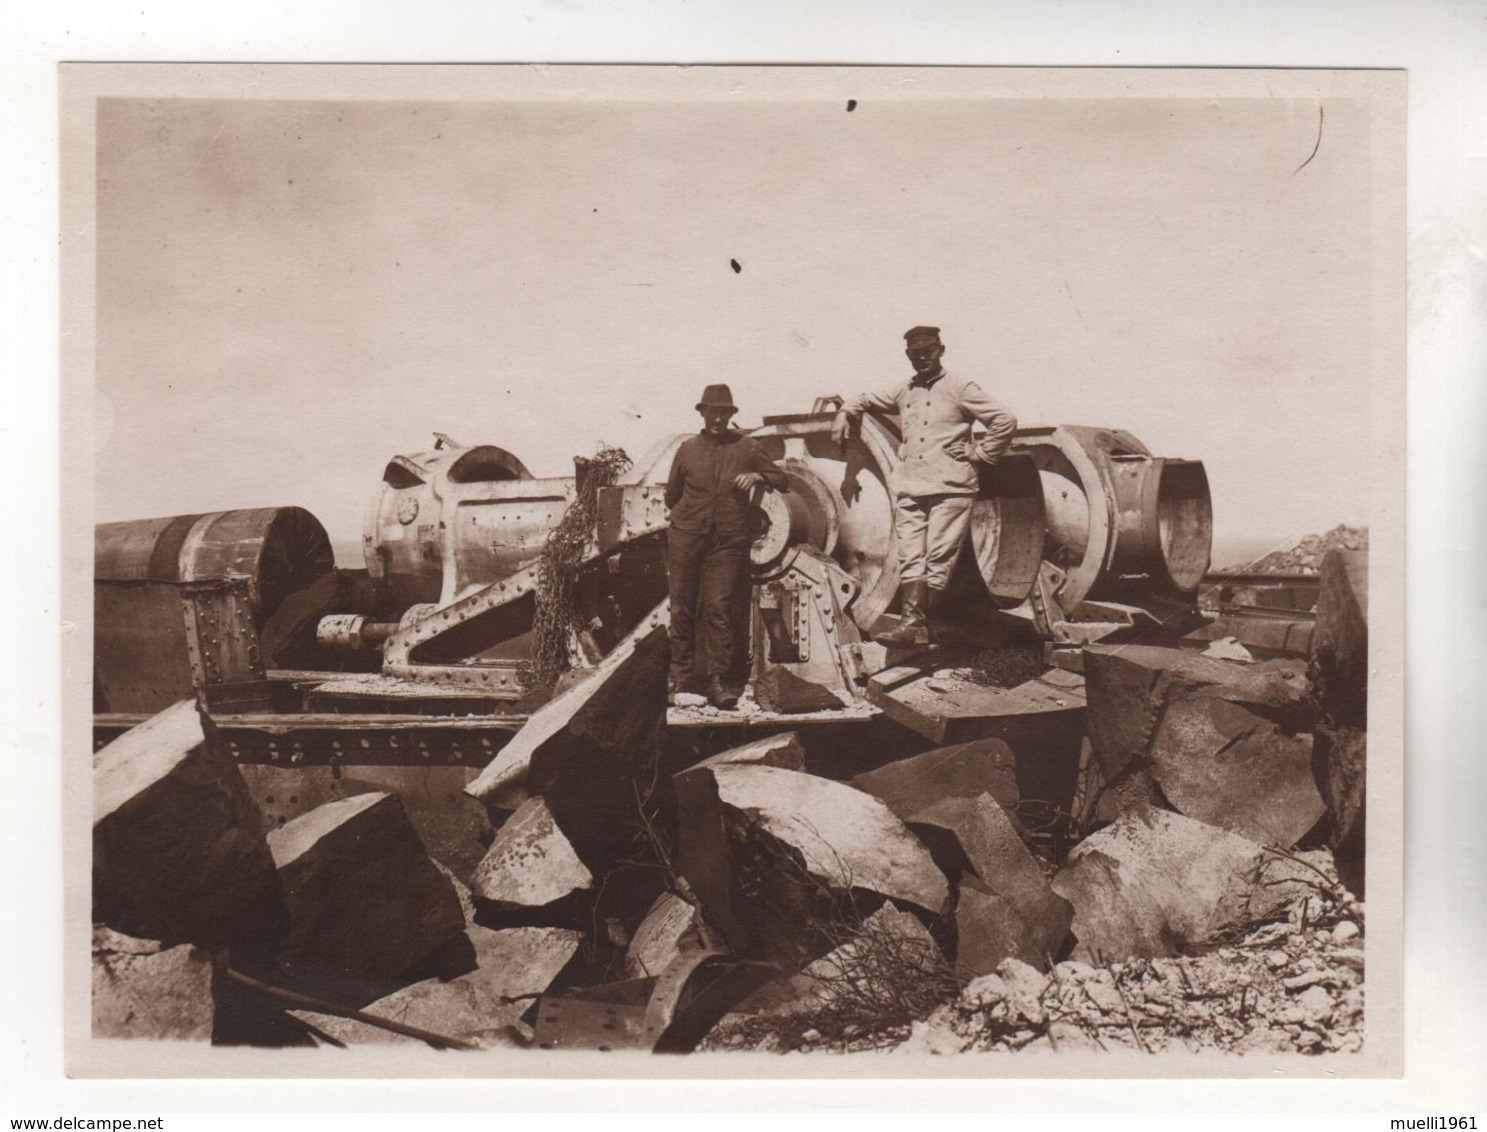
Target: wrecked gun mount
point(1079, 534)
point(1080, 530)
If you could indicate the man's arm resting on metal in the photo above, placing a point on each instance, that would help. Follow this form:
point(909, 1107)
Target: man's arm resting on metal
point(850, 414)
point(763, 472)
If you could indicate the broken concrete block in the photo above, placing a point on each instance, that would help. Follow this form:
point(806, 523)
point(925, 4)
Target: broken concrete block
point(144, 989)
point(1221, 763)
point(659, 939)
point(1339, 663)
point(1221, 740)
point(992, 847)
point(1128, 688)
point(591, 753)
point(178, 854)
point(365, 900)
point(466, 1011)
point(531, 862)
point(454, 828)
point(462, 892)
point(614, 714)
point(842, 836)
point(1162, 884)
point(780, 690)
point(1340, 766)
point(782, 750)
point(1008, 911)
point(517, 963)
point(988, 929)
point(774, 856)
point(967, 770)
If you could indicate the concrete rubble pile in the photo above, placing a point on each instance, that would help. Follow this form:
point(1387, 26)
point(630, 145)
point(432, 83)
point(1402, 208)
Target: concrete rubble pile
point(1288, 986)
point(904, 905)
point(1308, 554)
point(197, 911)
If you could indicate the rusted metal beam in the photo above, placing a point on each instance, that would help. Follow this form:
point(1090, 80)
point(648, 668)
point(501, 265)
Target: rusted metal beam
point(334, 739)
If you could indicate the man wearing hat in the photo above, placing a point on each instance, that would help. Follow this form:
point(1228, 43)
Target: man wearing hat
point(712, 479)
point(937, 479)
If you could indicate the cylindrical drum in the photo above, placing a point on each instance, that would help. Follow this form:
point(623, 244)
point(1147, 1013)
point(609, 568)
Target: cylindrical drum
point(280, 550)
point(452, 519)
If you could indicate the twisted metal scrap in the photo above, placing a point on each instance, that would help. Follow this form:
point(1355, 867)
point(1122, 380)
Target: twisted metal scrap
point(569, 544)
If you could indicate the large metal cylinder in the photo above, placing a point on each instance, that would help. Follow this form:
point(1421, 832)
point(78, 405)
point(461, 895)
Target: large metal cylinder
point(450, 520)
point(845, 501)
point(280, 550)
point(1123, 525)
point(842, 500)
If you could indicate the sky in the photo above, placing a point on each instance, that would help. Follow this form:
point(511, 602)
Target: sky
point(289, 293)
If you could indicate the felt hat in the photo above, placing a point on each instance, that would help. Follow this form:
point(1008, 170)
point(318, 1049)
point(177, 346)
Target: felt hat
point(717, 397)
point(922, 336)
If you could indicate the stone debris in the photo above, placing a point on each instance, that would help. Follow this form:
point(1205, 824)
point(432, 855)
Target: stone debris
point(1225, 742)
point(482, 1007)
point(775, 856)
point(783, 751)
point(967, 770)
point(454, 828)
point(1232, 1000)
point(1225, 765)
point(178, 853)
point(1306, 555)
point(591, 753)
point(520, 963)
point(890, 945)
point(531, 862)
point(1340, 763)
point(614, 714)
point(780, 690)
point(908, 908)
point(462, 892)
point(461, 1009)
point(1339, 671)
point(145, 989)
point(668, 928)
point(1128, 687)
point(365, 901)
point(1005, 908)
point(1165, 884)
point(1340, 644)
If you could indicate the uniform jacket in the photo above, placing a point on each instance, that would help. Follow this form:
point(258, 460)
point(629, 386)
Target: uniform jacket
point(700, 489)
point(931, 415)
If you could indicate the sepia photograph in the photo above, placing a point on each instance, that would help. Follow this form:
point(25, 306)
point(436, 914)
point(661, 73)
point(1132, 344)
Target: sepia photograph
point(796, 569)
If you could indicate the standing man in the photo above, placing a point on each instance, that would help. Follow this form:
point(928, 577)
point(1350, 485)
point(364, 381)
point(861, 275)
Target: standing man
point(937, 478)
point(709, 493)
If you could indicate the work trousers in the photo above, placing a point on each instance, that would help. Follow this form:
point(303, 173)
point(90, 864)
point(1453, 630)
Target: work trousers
point(708, 578)
point(930, 530)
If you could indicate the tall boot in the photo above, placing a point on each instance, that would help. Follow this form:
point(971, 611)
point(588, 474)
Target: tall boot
point(934, 613)
point(913, 627)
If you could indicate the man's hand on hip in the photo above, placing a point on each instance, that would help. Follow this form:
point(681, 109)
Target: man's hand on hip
point(748, 481)
point(959, 450)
